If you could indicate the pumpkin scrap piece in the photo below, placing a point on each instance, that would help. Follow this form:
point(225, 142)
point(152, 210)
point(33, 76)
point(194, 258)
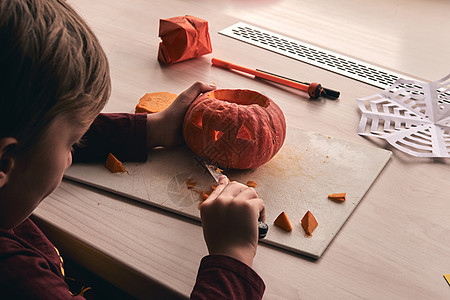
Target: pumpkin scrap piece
point(114, 165)
point(216, 169)
point(309, 223)
point(282, 221)
point(154, 102)
point(252, 184)
point(337, 197)
point(447, 278)
point(190, 183)
point(204, 196)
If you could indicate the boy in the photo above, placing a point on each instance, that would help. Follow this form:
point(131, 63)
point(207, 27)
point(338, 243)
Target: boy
point(54, 81)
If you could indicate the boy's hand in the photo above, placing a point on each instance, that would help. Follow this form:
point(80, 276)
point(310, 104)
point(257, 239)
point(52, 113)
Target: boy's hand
point(165, 128)
point(230, 220)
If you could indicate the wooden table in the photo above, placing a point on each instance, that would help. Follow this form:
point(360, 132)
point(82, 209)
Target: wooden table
point(396, 244)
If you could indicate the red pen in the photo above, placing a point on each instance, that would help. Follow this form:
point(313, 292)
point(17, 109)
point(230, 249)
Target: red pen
point(314, 89)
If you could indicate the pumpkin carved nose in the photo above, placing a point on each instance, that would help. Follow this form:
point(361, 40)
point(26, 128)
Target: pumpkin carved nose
point(216, 135)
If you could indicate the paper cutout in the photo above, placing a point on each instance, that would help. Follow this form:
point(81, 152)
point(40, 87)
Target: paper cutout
point(410, 115)
point(183, 38)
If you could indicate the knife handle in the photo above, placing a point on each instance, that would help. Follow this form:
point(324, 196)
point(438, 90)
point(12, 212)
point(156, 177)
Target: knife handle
point(262, 230)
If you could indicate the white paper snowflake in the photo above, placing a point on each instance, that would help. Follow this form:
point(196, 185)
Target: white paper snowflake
point(412, 116)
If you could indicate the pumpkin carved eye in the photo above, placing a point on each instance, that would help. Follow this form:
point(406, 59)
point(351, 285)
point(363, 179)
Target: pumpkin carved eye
point(246, 132)
point(197, 119)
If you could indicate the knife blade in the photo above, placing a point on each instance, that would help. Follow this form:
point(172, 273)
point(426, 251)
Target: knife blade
point(216, 172)
point(212, 169)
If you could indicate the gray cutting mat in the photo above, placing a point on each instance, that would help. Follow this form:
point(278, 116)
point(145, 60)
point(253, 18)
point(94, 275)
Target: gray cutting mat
point(308, 167)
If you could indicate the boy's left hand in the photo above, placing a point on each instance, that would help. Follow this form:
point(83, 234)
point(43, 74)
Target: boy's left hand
point(165, 128)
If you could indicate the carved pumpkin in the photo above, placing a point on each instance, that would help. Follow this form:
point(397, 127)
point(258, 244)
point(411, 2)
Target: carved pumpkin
point(236, 129)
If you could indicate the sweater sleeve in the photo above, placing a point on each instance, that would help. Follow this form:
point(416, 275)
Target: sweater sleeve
point(27, 272)
point(223, 277)
point(26, 275)
point(124, 135)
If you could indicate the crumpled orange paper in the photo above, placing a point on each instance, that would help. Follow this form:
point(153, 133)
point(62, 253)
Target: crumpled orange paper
point(183, 38)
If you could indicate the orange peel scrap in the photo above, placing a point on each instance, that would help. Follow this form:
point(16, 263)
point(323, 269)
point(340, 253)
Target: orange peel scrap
point(114, 165)
point(337, 197)
point(190, 183)
point(309, 223)
point(252, 184)
point(282, 221)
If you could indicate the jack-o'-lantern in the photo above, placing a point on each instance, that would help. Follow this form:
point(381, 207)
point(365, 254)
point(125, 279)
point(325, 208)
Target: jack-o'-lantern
point(234, 129)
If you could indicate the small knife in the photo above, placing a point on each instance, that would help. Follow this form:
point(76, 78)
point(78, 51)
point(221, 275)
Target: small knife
point(216, 172)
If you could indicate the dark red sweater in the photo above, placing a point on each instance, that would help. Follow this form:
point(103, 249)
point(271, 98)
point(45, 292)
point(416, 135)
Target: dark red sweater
point(31, 268)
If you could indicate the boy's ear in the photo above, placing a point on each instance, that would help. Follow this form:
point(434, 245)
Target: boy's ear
point(6, 160)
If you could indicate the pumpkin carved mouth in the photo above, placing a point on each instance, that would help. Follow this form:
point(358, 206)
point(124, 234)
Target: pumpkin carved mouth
point(237, 129)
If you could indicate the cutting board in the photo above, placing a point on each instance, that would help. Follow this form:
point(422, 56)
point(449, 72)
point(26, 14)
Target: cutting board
point(299, 178)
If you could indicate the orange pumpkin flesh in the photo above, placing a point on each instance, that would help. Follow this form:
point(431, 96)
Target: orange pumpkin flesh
point(113, 164)
point(234, 129)
point(309, 223)
point(339, 197)
point(155, 102)
point(282, 221)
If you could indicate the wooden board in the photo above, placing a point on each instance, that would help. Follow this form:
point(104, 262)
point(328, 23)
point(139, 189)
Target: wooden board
point(308, 167)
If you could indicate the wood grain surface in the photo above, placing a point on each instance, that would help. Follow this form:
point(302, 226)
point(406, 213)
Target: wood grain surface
point(396, 244)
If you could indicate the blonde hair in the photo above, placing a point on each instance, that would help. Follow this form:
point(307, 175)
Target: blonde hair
point(51, 64)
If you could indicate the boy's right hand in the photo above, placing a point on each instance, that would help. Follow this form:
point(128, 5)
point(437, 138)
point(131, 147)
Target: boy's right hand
point(165, 128)
point(230, 218)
